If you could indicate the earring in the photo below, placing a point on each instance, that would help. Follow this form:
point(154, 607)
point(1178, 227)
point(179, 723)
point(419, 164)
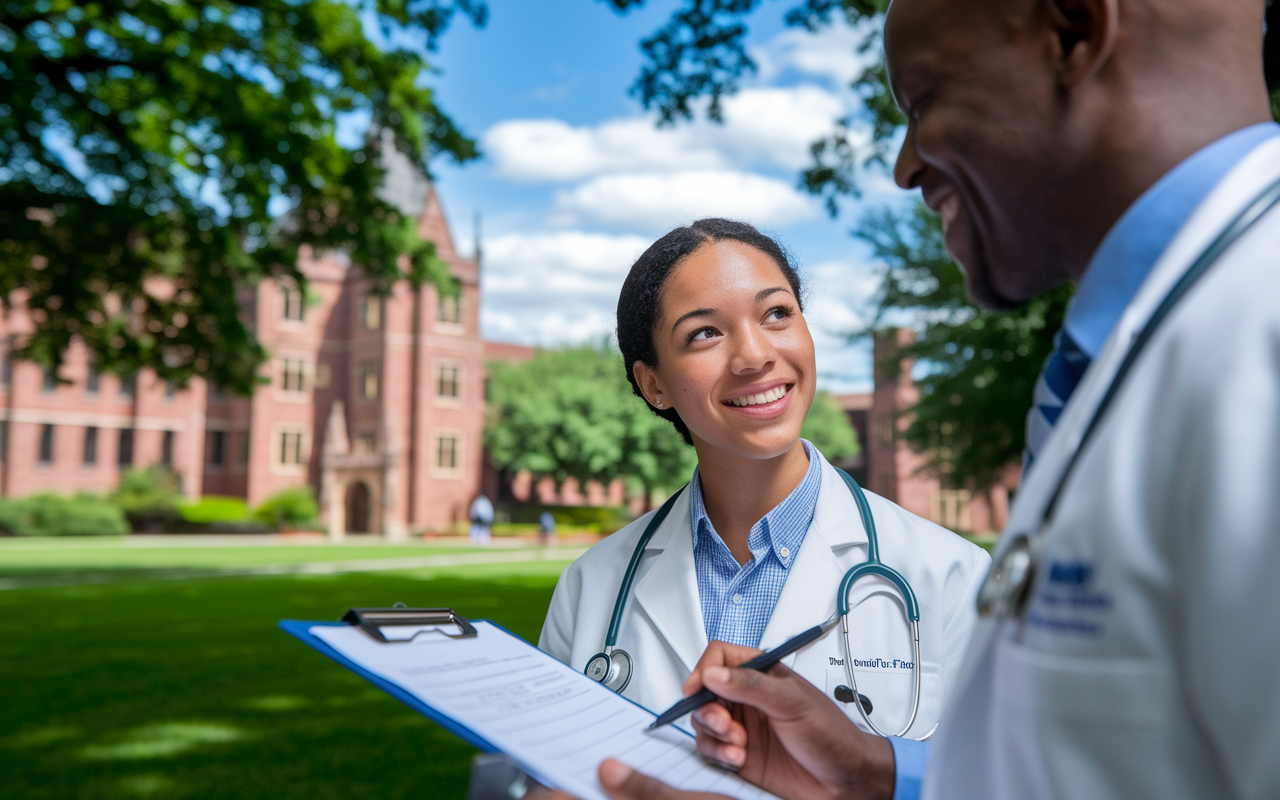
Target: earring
point(659, 402)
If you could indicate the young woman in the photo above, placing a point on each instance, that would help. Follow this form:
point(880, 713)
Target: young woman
point(754, 549)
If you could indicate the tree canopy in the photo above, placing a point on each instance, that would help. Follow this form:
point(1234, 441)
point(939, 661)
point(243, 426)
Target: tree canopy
point(571, 414)
point(157, 157)
point(827, 427)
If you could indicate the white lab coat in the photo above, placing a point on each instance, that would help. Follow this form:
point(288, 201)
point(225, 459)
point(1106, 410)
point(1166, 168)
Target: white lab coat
point(663, 631)
point(1145, 666)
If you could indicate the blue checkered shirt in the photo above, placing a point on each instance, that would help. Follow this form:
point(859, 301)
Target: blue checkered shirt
point(737, 601)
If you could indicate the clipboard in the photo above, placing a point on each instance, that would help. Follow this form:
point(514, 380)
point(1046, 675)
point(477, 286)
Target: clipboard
point(499, 693)
point(372, 621)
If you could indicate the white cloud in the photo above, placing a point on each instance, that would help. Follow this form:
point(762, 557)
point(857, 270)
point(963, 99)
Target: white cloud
point(654, 202)
point(554, 287)
point(763, 127)
point(831, 53)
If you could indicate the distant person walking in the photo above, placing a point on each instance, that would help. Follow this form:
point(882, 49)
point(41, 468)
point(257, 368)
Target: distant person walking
point(546, 527)
point(481, 520)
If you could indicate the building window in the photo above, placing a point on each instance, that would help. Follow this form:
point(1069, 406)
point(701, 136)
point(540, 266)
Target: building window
point(293, 375)
point(242, 448)
point(128, 383)
point(951, 508)
point(449, 381)
point(90, 446)
point(447, 456)
point(324, 376)
point(166, 449)
point(368, 442)
point(124, 453)
point(371, 312)
point(91, 378)
point(46, 444)
point(449, 305)
point(292, 448)
point(368, 385)
point(291, 303)
point(6, 369)
point(50, 382)
point(170, 390)
point(4, 440)
point(215, 450)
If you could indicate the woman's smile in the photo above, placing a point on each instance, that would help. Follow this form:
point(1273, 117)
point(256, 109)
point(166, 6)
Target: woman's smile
point(762, 402)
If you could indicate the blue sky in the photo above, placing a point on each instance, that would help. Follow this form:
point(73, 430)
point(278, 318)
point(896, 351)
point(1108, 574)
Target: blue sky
point(576, 181)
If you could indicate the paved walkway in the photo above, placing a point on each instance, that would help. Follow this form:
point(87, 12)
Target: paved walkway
point(501, 556)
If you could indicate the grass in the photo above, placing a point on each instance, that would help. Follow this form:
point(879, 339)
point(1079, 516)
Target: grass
point(186, 689)
point(20, 555)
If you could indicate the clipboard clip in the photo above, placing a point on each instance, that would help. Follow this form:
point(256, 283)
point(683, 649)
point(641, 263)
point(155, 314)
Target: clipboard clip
point(373, 620)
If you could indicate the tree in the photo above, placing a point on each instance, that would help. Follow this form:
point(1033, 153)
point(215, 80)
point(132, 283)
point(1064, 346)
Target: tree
point(827, 427)
point(571, 414)
point(980, 367)
point(157, 157)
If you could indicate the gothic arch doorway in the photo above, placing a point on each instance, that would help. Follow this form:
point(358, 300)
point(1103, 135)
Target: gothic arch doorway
point(358, 507)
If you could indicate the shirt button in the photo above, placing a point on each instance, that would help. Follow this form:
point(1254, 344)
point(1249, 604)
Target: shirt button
point(737, 599)
point(785, 553)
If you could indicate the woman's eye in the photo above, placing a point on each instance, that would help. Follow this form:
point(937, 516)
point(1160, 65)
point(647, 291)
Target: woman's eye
point(779, 313)
point(703, 334)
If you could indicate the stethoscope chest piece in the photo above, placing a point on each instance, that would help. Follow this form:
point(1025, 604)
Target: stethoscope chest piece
point(1004, 591)
point(613, 669)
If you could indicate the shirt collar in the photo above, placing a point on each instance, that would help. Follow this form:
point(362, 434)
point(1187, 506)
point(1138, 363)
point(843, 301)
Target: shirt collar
point(1134, 244)
point(785, 526)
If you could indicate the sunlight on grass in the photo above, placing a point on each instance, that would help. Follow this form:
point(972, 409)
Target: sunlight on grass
point(164, 740)
point(149, 785)
point(276, 702)
point(41, 737)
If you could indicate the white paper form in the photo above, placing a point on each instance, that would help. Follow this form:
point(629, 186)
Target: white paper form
point(557, 723)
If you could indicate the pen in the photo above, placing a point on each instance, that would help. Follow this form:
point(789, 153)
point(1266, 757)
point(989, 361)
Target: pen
point(760, 663)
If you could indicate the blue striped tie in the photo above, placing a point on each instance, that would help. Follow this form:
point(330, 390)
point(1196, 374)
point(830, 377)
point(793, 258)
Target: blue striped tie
point(1062, 372)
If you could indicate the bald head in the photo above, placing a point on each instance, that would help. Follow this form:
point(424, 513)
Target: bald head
point(1033, 124)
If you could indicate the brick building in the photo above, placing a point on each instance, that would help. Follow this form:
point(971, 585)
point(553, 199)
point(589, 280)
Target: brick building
point(890, 468)
point(377, 402)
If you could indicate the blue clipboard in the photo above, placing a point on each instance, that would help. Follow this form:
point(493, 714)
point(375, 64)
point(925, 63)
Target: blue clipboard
point(301, 630)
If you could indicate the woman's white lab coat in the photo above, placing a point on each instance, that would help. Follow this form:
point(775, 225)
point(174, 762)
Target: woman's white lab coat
point(663, 631)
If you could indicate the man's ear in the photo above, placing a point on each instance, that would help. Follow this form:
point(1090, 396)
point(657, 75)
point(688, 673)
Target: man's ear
point(647, 380)
point(1086, 34)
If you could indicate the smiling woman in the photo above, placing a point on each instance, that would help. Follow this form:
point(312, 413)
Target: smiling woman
point(753, 550)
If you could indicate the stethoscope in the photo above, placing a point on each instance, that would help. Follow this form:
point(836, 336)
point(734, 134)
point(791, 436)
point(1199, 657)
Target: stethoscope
point(614, 666)
point(1007, 587)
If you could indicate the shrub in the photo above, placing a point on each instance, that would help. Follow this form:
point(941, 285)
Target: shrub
point(294, 507)
point(215, 508)
point(150, 489)
point(149, 499)
point(56, 515)
point(602, 519)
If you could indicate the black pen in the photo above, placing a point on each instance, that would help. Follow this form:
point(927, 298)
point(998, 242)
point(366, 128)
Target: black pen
point(760, 663)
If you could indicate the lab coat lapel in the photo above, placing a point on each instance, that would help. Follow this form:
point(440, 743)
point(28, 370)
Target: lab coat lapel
point(808, 597)
point(668, 592)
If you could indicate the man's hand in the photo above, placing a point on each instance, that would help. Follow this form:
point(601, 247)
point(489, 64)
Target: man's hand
point(783, 734)
point(621, 782)
point(776, 730)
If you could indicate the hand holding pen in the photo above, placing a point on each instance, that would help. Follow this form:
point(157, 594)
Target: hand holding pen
point(781, 733)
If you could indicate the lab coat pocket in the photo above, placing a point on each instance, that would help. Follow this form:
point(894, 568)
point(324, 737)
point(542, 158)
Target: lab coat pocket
point(891, 695)
point(1072, 726)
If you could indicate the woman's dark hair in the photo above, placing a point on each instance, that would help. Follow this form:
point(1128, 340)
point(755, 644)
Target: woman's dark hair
point(640, 303)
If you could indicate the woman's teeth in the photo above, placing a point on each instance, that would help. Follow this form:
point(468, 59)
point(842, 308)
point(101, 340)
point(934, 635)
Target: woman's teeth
point(760, 399)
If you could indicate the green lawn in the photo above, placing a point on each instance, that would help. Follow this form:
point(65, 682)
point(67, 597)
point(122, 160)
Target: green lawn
point(20, 554)
point(187, 689)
